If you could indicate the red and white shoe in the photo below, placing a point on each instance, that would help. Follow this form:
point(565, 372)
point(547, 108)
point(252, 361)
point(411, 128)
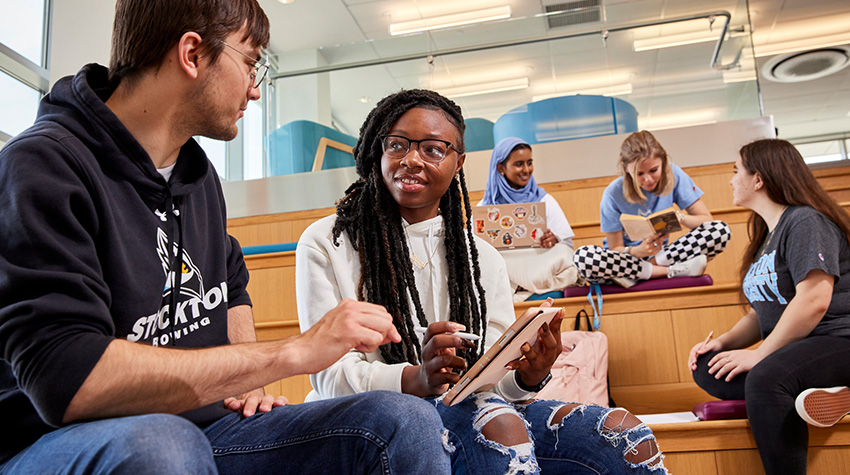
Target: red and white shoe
point(823, 407)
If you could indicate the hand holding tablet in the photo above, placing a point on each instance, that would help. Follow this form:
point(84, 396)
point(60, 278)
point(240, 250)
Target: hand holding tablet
point(492, 366)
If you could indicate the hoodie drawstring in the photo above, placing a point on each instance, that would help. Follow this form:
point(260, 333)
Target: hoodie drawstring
point(175, 228)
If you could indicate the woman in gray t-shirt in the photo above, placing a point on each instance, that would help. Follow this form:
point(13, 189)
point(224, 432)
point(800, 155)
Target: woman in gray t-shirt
point(796, 277)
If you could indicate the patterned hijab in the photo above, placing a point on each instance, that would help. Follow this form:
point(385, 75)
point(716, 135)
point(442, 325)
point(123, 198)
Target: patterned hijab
point(498, 190)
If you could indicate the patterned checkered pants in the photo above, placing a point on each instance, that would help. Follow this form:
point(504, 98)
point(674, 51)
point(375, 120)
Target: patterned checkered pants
point(598, 264)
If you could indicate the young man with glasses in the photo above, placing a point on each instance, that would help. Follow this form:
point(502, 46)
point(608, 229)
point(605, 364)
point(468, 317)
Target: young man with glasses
point(126, 332)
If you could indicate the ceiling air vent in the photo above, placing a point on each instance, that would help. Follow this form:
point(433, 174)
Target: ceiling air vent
point(559, 15)
point(808, 65)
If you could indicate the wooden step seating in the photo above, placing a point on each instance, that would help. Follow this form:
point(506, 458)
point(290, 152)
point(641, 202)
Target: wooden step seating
point(650, 333)
point(728, 448)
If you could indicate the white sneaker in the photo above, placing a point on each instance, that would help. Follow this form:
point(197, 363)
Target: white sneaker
point(823, 407)
point(691, 268)
point(624, 282)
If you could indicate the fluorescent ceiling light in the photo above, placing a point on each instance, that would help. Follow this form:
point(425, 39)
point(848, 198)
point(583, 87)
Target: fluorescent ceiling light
point(673, 121)
point(668, 41)
point(613, 90)
point(803, 44)
point(448, 21)
point(485, 88)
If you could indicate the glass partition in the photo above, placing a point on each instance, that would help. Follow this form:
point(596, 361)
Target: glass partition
point(686, 65)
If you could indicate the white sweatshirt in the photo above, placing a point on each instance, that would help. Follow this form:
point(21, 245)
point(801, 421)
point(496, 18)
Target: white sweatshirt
point(326, 274)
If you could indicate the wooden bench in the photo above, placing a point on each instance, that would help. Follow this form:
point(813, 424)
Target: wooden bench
point(650, 333)
point(727, 447)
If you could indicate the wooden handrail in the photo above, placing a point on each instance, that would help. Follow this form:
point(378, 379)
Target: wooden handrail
point(322, 148)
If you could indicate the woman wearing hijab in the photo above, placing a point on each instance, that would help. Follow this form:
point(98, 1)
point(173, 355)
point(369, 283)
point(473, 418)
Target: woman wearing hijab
point(534, 270)
point(511, 180)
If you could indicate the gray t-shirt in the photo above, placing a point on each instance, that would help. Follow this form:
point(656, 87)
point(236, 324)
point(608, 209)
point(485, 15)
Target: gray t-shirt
point(803, 240)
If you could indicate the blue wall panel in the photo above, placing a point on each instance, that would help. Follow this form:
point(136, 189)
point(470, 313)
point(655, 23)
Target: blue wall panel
point(567, 118)
point(292, 148)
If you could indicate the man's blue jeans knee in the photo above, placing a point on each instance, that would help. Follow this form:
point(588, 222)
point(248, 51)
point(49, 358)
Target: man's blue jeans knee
point(374, 432)
point(149, 444)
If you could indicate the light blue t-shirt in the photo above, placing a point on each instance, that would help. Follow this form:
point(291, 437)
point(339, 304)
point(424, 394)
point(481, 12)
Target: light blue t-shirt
point(684, 194)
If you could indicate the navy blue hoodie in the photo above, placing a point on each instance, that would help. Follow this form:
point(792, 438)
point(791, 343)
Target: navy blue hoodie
point(89, 235)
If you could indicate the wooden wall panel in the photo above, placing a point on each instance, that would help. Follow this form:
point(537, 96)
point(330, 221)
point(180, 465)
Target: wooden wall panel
point(691, 326)
point(273, 294)
point(737, 462)
point(690, 463)
point(580, 205)
point(641, 349)
point(828, 460)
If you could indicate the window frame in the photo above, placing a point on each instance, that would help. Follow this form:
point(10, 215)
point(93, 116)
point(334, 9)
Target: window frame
point(23, 69)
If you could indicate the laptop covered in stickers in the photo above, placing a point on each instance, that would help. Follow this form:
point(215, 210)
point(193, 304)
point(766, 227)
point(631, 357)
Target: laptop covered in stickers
point(510, 226)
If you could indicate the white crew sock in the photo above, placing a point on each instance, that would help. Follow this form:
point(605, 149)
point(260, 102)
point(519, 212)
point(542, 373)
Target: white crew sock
point(645, 270)
point(662, 259)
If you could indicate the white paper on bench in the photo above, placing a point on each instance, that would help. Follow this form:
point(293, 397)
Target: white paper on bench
point(668, 418)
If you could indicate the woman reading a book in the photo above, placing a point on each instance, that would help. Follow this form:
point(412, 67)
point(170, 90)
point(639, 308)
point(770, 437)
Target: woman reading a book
point(795, 275)
point(399, 239)
point(536, 270)
point(651, 183)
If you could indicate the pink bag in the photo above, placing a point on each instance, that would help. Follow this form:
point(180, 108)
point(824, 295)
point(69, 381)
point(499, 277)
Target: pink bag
point(580, 374)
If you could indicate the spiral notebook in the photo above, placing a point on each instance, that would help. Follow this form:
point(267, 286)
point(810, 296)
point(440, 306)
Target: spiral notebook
point(509, 226)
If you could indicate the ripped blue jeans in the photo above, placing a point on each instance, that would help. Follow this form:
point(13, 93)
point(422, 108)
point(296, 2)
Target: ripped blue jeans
point(561, 438)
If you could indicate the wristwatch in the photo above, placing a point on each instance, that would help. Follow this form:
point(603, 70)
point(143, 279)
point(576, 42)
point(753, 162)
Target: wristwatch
point(531, 389)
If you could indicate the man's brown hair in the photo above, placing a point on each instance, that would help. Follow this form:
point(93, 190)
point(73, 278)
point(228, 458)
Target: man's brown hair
point(144, 30)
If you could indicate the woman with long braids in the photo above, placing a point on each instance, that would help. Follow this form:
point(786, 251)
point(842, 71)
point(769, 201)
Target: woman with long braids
point(399, 239)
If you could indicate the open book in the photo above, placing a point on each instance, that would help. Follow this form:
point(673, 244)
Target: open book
point(641, 227)
point(490, 368)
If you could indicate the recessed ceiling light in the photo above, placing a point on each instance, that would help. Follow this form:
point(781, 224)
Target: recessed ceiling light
point(448, 21)
point(484, 88)
point(286, 1)
point(669, 41)
point(365, 99)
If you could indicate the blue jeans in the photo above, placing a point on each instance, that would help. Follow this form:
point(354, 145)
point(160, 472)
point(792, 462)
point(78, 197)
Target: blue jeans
point(770, 389)
point(579, 444)
point(375, 432)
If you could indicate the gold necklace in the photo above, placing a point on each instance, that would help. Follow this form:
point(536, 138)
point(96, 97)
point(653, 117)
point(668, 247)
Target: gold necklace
point(413, 257)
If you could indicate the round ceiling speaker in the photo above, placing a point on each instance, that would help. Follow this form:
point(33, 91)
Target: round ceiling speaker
point(807, 65)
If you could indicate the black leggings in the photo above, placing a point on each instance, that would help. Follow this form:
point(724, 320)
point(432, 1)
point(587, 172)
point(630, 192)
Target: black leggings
point(772, 386)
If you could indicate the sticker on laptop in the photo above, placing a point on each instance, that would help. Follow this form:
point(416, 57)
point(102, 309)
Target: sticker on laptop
point(536, 234)
point(520, 212)
point(493, 214)
point(520, 231)
point(534, 218)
